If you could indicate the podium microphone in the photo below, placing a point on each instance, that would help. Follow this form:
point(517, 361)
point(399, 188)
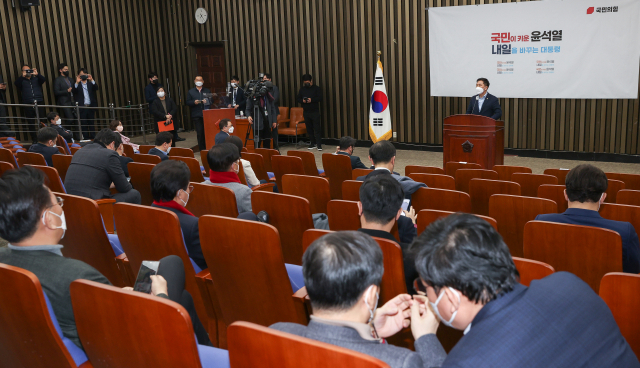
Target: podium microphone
point(474, 104)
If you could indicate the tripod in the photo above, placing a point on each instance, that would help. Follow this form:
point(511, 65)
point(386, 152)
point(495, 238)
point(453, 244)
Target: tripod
point(262, 114)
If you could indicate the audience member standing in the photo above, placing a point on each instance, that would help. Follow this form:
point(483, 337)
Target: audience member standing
point(198, 104)
point(84, 91)
point(310, 96)
point(151, 89)
point(46, 145)
point(164, 111)
point(5, 131)
point(30, 89)
point(63, 90)
point(55, 122)
point(236, 99)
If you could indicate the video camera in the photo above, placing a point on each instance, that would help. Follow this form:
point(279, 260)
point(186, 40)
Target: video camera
point(257, 88)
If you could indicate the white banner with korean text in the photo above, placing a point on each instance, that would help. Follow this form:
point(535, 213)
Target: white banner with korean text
point(537, 49)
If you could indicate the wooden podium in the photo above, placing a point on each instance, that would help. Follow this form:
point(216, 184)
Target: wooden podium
point(211, 118)
point(473, 138)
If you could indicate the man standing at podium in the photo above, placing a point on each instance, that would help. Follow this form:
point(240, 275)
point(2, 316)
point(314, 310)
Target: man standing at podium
point(484, 103)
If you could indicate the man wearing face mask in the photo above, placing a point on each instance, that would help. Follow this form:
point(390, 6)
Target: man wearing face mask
point(85, 94)
point(224, 164)
point(484, 103)
point(96, 168)
point(471, 283)
point(198, 104)
point(151, 88)
point(46, 145)
point(236, 98)
point(163, 110)
point(63, 90)
point(29, 86)
point(310, 96)
point(586, 187)
point(346, 147)
point(55, 122)
point(342, 272)
point(226, 129)
point(163, 145)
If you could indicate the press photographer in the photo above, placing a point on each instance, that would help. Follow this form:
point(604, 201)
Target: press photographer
point(262, 104)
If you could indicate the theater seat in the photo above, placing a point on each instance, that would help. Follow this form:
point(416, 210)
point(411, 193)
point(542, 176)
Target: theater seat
point(295, 126)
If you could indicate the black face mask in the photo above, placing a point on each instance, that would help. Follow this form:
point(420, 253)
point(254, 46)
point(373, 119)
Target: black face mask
point(66, 73)
point(307, 84)
point(155, 81)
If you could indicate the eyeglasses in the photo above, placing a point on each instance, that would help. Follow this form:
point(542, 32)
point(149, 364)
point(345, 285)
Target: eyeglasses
point(419, 287)
point(190, 189)
point(59, 201)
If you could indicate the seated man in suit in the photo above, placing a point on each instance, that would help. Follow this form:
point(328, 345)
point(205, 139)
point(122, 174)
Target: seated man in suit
point(96, 167)
point(224, 165)
point(46, 145)
point(33, 222)
point(346, 147)
point(55, 122)
point(163, 145)
point(226, 128)
point(380, 207)
point(471, 283)
point(383, 157)
point(585, 191)
point(342, 272)
point(484, 103)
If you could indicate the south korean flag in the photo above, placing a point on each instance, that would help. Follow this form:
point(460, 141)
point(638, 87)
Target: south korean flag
point(379, 114)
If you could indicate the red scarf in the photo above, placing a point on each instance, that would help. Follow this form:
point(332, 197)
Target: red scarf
point(223, 177)
point(175, 206)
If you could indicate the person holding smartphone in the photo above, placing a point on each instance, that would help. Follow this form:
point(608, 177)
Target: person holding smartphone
point(29, 86)
point(84, 91)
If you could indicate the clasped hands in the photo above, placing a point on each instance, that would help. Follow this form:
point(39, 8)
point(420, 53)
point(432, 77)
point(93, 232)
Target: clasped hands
point(404, 311)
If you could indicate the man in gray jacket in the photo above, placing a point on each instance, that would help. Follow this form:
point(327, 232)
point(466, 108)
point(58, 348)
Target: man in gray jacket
point(342, 272)
point(224, 164)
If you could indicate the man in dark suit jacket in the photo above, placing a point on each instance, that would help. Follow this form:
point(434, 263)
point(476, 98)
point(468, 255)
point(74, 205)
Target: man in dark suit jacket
point(236, 98)
point(226, 128)
point(346, 147)
point(198, 104)
point(63, 90)
point(266, 125)
point(163, 145)
point(95, 167)
point(585, 191)
point(342, 272)
point(84, 92)
point(484, 103)
point(46, 145)
point(53, 118)
point(471, 282)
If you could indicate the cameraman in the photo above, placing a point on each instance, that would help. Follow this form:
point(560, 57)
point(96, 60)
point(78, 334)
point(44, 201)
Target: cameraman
point(267, 111)
point(30, 88)
point(84, 92)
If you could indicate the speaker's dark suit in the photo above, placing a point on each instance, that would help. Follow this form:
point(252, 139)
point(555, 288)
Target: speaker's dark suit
point(490, 107)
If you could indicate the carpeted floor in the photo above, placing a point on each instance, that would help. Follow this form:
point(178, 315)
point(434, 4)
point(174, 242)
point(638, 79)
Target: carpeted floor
point(404, 157)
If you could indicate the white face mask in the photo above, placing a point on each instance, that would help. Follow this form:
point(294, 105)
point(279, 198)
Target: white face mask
point(238, 164)
point(119, 128)
point(231, 130)
point(234, 85)
point(160, 94)
point(59, 121)
point(168, 149)
point(184, 202)
point(479, 90)
point(372, 311)
point(434, 306)
point(600, 202)
point(62, 226)
point(199, 84)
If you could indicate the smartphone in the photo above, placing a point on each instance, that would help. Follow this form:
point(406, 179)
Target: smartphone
point(143, 282)
point(405, 204)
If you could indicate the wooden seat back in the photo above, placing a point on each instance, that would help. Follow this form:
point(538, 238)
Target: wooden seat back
point(464, 176)
point(207, 199)
point(613, 187)
point(61, 143)
point(621, 292)
point(393, 280)
point(418, 169)
point(145, 148)
point(505, 171)
point(28, 336)
point(74, 150)
point(337, 169)
point(481, 190)
point(140, 342)
point(194, 168)
point(31, 158)
point(289, 214)
point(55, 183)
point(267, 154)
point(241, 176)
point(286, 165)
point(513, 212)
point(351, 190)
point(61, 163)
point(205, 162)
point(146, 158)
point(246, 264)
point(7, 156)
point(530, 270)
point(451, 167)
point(128, 150)
point(257, 164)
point(314, 188)
point(273, 348)
point(621, 212)
point(631, 181)
point(554, 193)
point(308, 161)
point(140, 174)
point(140, 239)
point(181, 152)
point(343, 215)
point(529, 183)
point(356, 173)
point(426, 217)
point(628, 196)
point(312, 235)
point(561, 174)
point(588, 252)
point(4, 167)
point(435, 180)
point(441, 199)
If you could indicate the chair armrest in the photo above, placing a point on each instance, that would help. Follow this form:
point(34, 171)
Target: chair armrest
point(106, 210)
point(105, 201)
point(301, 296)
point(267, 187)
point(202, 278)
point(125, 270)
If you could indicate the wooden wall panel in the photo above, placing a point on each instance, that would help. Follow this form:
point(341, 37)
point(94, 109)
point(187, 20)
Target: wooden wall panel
point(336, 41)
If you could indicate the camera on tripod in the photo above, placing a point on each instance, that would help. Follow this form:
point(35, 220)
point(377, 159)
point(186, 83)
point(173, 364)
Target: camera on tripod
point(257, 88)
